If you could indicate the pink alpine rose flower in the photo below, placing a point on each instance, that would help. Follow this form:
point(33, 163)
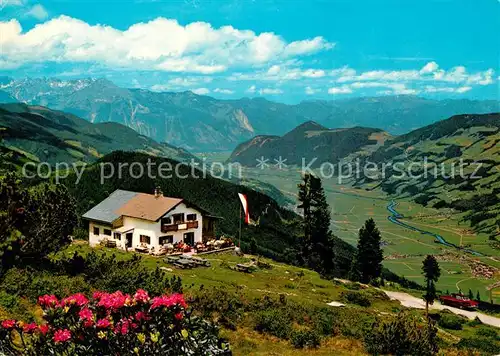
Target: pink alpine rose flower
point(87, 317)
point(168, 301)
point(178, 316)
point(141, 296)
point(44, 329)
point(76, 299)
point(48, 301)
point(97, 295)
point(62, 335)
point(103, 324)
point(114, 300)
point(140, 316)
point(30, 328)
point(122, 327)
point(9, 324)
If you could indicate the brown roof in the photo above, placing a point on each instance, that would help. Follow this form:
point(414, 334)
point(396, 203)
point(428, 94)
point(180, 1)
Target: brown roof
point(147, 206)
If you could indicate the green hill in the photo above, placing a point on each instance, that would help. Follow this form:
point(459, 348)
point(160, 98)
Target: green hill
point(53, 136)
point(434, 155)
point(310, 142)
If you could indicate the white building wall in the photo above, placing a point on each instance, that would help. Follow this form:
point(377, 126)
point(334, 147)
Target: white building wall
point(96, 239)
point(179, 235)
point(149, 228)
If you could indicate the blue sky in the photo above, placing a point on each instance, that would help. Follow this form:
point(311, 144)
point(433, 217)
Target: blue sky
point(283, 50)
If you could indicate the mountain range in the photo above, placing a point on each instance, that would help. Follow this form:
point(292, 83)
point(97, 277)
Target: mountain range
point(202, 123)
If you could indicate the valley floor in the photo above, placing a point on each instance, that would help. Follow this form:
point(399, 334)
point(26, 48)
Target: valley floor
point(404, 248)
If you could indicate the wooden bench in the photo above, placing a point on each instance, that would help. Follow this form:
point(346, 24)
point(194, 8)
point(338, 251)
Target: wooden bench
point(171, 259)
point(184, 263)
point(200, 261)
point(108, 243)
point(244, 268)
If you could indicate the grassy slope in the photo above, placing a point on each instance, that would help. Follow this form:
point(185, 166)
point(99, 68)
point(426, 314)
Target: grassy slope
point(280, 279)
point(297, 284)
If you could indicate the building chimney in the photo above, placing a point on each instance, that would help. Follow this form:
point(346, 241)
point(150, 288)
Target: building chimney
point(158, 192)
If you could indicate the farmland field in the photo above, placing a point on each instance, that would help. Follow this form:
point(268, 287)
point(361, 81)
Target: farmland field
point(404, 248)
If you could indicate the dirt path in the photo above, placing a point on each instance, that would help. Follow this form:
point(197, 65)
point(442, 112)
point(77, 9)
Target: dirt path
point(410, 301)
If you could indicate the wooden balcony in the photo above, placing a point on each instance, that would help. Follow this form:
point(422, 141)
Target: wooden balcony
point(179, 227)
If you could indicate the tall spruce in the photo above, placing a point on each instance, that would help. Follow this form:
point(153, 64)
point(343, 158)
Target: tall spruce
point(318, 246)
point(431, 272)
point(367, 264)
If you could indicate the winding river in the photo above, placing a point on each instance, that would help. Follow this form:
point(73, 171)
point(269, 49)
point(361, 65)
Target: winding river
point(395, 216)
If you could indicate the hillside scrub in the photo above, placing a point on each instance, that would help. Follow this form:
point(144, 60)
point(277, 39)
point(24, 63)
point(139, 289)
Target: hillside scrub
point(83, 274)
point(402, 334)
point(34, 221)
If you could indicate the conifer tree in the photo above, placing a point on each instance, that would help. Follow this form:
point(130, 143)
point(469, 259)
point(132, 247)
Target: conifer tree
point(471, 295)
point(431, 272)
point(369, 257)
point(318, 250)
point(478, 296)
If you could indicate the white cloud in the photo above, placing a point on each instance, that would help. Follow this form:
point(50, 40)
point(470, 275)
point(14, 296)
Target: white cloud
point(196, 47)
point(393, 75)
point(308, 46)
point(223, 91)
point(275, 69)
point(313, 73)
point(429, 68)
point(311, 91)
point(339, 90)
point(459, 90)
point(270, 91)
point(161, 87)
point(189, 81)
point(430, 72)
point(201, 91)
point(38, 12)
point(278, 73)
point(5, 3)
point(463, 89)
point(251, 89)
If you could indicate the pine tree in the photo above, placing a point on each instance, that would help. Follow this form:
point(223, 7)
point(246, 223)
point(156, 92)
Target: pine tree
point(431, 272)
point(478, 296)
point(471, 295)
point(369, 257)
point(318, 250)
point(304, 197)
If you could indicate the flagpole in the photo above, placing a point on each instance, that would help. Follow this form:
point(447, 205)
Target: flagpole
point(239, 244)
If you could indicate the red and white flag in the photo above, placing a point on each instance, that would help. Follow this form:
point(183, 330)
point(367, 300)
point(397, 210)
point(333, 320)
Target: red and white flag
point(244, 202)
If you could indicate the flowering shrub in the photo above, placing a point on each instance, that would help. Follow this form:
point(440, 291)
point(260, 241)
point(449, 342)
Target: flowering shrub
point(113, 324)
